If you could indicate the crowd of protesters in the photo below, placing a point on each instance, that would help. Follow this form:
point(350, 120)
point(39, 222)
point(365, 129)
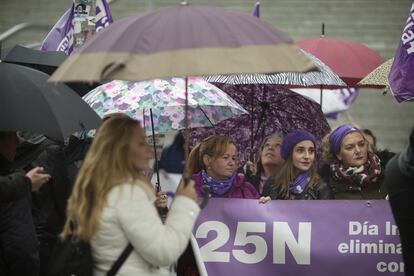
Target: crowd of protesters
point(101, 184)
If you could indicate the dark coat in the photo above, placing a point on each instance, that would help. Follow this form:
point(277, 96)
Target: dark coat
point(49, 203)
point(320, 191)
point(18, 243)
point(75, 153)
point(253, 179)
point(173, 156)
point(347, 190)
point(399, 182)
point(14, 186)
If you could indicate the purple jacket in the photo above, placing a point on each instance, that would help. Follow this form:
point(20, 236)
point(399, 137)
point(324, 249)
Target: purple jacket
point(241, 188)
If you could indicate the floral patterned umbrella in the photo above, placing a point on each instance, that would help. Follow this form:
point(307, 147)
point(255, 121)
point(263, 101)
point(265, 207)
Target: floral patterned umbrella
point(208, 105)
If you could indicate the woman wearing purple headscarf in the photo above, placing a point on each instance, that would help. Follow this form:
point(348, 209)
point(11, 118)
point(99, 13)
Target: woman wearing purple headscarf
point(354, 172)
point(298, 177)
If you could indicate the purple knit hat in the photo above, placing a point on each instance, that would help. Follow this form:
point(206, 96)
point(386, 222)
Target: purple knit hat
point(335, 140)
point(292, 138)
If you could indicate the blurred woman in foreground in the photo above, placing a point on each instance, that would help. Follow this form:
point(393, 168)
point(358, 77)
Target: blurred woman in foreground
point(112, 204)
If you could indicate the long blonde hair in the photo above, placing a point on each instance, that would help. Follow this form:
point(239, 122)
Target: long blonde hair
point(107, 164)
point(214, 146)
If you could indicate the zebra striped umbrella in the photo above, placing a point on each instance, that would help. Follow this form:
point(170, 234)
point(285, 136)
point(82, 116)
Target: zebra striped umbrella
point(325, 77)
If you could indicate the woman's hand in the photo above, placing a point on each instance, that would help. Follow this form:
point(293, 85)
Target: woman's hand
point(162, 200)
point(264, 199)
point(187, 190)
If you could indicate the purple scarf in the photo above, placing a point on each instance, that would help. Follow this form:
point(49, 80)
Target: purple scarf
point(299, 184)
point(217, 187)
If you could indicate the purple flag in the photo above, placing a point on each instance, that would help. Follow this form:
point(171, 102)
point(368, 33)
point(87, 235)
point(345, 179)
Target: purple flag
point(60, 38)
point(401, 75)
point(256, 10)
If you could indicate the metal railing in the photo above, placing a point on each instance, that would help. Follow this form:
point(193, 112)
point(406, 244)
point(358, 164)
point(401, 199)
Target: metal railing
point(21, 27)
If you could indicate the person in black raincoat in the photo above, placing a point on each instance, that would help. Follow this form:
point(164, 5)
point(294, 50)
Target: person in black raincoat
point(399, 183)
point(49, 203)
point(18, 243)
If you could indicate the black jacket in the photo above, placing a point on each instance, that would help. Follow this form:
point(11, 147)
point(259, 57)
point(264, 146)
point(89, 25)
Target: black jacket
point(320, 191)
point(49, 203)
point(14, 186)
point(18, 243)
point(399, 181)
point(75, 153)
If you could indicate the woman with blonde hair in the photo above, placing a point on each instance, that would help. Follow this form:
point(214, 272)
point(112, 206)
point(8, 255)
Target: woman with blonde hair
point(298, 177)
point(213, 163)
point(112, 204)
point(351, 169)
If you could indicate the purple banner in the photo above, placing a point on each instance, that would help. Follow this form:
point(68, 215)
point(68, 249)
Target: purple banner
point(60, 38)
point(298, 237)
point(401, 75)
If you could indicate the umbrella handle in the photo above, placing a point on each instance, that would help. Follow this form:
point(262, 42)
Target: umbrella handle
point(206, 197)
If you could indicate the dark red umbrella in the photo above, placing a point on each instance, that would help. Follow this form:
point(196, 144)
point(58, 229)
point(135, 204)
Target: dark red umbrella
point(350, 61)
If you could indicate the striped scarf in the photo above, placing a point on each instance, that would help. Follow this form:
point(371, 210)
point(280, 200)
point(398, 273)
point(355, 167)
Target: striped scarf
point(362, 175)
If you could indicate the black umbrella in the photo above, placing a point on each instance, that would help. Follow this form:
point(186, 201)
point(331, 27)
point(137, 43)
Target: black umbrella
point(45, 61)
point(28, 102)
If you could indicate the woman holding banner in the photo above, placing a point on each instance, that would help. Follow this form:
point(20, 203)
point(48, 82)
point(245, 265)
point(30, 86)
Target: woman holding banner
point(213, 163)
point(298, 177)
point(268, 162)
point(112, 205)
point(352, 171)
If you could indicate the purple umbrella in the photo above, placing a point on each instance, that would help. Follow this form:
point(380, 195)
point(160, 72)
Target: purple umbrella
point(271, 108)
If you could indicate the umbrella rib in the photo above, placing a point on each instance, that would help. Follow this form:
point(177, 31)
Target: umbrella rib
point(205, 115)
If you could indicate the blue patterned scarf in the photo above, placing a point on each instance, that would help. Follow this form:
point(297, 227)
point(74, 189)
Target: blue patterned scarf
point(217, 187)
